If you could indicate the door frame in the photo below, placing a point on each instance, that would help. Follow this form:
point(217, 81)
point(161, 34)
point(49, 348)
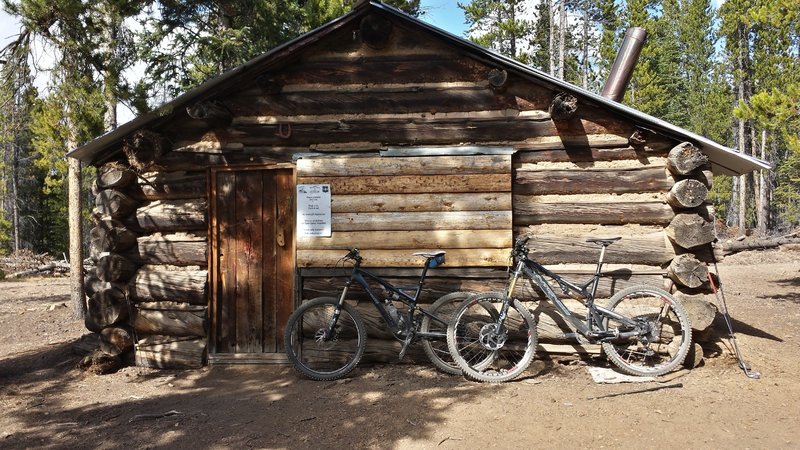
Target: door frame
point(213, 254)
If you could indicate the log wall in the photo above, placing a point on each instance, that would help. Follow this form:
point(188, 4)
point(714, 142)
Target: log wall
point(579, 173)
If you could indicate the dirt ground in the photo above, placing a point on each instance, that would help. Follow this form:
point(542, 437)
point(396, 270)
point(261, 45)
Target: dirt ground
point(46, 402)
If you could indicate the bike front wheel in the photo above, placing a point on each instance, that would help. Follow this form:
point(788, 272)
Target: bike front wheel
point(488, 347)
point(316, 349)
point(435, 347)
point(654, 334)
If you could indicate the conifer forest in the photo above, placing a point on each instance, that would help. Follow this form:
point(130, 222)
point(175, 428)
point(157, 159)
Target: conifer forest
point(728, 70)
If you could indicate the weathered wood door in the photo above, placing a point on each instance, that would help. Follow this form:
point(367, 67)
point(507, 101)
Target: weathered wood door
point(252, 226)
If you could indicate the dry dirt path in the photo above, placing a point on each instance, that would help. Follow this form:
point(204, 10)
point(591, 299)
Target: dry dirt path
point(46, 403)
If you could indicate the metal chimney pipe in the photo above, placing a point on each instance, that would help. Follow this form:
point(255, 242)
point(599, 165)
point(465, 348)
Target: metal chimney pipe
point(622, 70)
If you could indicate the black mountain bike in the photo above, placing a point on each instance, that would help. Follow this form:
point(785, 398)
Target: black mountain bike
point(325, 337)
point(643, 330)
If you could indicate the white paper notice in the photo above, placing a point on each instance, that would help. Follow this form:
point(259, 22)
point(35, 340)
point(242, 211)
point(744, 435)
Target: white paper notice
point(314, 210)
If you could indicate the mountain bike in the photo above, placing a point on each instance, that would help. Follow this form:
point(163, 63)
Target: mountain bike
point(325, 337)
point(644, 330)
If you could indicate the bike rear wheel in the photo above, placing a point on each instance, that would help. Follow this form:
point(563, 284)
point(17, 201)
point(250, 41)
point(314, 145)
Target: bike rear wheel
point(489, 350)
point(664, 333)
point(436, 348)
point(313, 351)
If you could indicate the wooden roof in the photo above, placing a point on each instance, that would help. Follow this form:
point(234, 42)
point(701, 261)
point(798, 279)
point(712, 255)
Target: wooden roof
point(724, 159)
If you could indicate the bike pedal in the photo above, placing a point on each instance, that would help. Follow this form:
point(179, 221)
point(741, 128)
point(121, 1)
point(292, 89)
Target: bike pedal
point(405, 346)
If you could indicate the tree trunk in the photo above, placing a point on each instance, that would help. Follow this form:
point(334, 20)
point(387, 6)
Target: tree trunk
point(763, 191)
point(76, 238)
point(552, 37)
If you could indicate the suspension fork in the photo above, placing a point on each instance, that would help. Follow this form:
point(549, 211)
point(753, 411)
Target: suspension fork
point(511, 286)
point(329, 332)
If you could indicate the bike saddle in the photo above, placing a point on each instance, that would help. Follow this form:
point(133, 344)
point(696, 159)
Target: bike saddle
point(605, 242)
point(434, 259)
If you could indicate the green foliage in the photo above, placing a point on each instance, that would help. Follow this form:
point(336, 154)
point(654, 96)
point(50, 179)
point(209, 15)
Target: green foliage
point(499, 25)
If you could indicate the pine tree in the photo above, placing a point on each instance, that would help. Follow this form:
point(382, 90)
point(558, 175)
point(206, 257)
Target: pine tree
point(499, 25)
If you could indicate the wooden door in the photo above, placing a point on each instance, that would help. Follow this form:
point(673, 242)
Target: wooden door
point(252, 227)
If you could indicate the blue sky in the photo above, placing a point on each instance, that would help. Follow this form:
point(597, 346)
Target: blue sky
point(444, 14)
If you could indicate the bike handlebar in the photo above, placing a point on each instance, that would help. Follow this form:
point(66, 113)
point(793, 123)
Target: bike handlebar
point(521, 245)
point(353, 255)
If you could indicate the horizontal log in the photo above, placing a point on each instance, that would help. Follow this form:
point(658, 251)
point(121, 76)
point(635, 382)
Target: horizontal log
point(429, 239)
point(409, 184)
point(173, 215)
point(411, 69)
point(403, 258)
point(176, 249)
point(179, 161)
point(166, 352)
point(113, 267)
point(570, 141)
point(170, 319)
point(456, 220)
point(648, 249)
point(173, 185)
point(404, 130)
point(143, 147)
point(415, 98)
point(154, 283)
point(687, 194)
point(113, 203)
point(580, 154)
point(528, 211)
point(478, 201)
point(589, 181)
point(372, 166)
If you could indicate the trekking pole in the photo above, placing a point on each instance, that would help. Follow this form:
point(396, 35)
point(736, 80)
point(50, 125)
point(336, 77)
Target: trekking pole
point(720, 294)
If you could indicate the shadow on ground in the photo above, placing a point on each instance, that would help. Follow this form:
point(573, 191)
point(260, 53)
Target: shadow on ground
point(228, 406)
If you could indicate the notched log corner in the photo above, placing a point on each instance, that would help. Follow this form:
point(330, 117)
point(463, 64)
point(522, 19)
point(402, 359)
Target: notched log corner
point(213, 112)
point(498, 79)
point(563, 106)
point(143, 148)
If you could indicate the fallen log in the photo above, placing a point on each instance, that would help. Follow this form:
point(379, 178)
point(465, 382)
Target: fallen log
point(729, 247)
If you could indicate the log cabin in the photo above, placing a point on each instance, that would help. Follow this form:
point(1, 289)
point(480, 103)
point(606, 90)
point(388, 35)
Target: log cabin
point(422, 140)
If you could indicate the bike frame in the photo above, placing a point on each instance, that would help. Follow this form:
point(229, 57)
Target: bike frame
point(593, 326)
point(360, 276)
